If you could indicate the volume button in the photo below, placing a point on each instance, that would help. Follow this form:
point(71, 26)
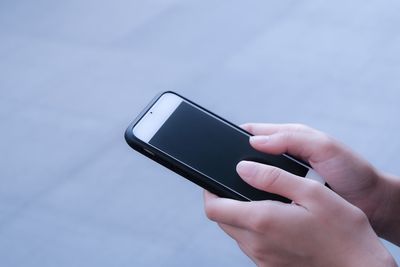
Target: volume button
point(148, 151)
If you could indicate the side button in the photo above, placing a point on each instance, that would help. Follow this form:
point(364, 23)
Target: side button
point(148, 151)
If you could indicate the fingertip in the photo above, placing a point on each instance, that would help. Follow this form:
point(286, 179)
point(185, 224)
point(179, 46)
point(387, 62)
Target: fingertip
point(271, 179)
point(258, 140)
point(208, 195)
point(271, 144)
point(215, 206)
point(209, 200)
point(209, 205)
point(246, 169)
point(245, 126)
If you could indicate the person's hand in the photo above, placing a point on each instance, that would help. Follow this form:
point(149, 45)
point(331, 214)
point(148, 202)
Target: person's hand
point(348, 174)
point(319, 229)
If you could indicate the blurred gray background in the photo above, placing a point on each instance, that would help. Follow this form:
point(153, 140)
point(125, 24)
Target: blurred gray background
point(75, 73)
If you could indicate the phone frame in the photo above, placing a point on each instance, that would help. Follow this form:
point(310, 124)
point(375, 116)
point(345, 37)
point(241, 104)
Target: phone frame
point(182, 169)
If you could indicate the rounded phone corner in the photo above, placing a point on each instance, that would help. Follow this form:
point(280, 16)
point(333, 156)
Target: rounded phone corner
point(128, 134)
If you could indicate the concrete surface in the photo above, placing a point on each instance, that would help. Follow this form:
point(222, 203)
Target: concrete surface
point(74, 73)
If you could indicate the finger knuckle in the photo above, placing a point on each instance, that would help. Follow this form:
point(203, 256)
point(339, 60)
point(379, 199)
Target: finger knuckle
point(299, 127)
point(327, 143)
point(259, 224)
point(358, 216)
point(313, 188)
point(271, 176)
point(261, 221)
point(286, 135)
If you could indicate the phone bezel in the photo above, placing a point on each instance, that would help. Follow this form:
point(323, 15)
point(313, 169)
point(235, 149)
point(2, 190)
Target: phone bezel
point(156, 116)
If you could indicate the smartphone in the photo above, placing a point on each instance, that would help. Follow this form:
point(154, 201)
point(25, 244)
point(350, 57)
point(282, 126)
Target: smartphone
point(203, 147)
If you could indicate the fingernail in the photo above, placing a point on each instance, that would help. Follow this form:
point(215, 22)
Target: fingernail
point(259, 139)
point(246, 168)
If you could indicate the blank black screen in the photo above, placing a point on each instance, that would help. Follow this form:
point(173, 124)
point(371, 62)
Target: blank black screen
point(214, 148)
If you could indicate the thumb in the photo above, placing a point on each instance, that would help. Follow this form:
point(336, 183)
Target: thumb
point(277, 181)
point(274, 180)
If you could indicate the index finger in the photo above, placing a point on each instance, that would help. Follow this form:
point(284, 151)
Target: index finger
point(272, 128)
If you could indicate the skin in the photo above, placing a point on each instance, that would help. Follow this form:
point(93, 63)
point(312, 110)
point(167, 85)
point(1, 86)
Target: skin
point(322, 227)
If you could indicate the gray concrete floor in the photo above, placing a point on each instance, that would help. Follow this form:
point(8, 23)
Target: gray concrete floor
point(74, 73)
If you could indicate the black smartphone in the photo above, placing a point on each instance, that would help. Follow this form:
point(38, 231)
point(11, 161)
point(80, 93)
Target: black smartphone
point(203, 147)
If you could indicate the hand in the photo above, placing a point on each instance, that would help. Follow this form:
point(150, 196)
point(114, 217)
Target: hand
point(348, 174)
point(320, 229)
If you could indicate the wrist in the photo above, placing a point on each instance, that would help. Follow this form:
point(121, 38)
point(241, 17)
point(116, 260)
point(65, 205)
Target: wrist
point(386, 217)
point(383, 259)
point(371, 254)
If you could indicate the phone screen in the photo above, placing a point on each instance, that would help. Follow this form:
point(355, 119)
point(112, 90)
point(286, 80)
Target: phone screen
point(214, 148)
